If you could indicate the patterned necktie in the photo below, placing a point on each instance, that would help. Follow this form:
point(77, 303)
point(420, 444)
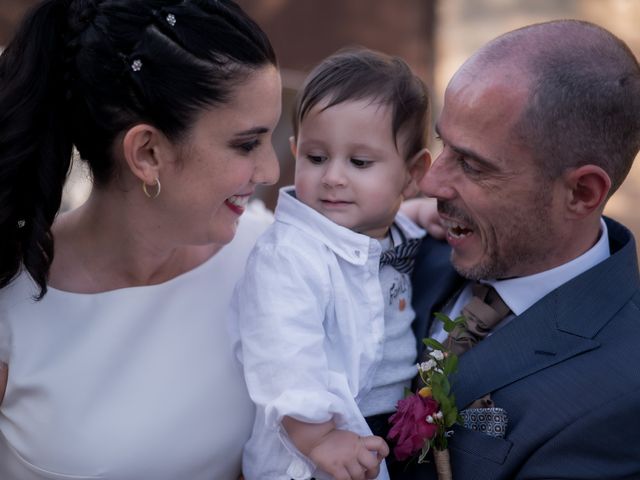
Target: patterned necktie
point(483, 313)
point(402, 257)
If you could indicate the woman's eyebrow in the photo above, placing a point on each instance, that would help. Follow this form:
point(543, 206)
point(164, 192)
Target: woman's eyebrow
point(252, 131)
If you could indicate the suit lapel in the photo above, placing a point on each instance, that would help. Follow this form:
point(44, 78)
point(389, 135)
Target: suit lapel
point(531, 342)
point(434, 280)
point(560, 326)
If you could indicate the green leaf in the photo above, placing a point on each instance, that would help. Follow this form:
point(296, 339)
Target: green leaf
point(440, 393)
point(437, 381)
point(446, 386)
point(442, 317)
point(460, 322)
point(434, 344)
point(450, 416)
point(445, 404)
point(449, 324)
point(450, 364)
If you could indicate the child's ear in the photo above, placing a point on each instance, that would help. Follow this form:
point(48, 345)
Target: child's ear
point(293, 146)
point(417, 167)
point(146, 151)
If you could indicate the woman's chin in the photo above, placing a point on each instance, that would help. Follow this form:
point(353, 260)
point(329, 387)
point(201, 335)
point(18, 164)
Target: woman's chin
point(223, 234)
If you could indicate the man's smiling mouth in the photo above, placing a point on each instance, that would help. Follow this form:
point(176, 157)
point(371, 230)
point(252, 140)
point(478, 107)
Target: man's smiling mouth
point(456, 230)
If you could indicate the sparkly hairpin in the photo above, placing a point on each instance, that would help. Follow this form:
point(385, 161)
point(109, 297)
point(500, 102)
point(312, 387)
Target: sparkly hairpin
point(21, 223)
point(171, 19)
point(136, 65)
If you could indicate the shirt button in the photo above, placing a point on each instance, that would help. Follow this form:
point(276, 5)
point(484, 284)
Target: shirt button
point(356, 253)
point(297, 469)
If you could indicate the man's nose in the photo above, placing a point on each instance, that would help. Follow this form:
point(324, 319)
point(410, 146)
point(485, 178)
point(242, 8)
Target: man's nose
point(438, 180)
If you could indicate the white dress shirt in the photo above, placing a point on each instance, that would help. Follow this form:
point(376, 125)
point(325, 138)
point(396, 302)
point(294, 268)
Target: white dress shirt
point(308, 324)
point(397, 367)
point(520, 293)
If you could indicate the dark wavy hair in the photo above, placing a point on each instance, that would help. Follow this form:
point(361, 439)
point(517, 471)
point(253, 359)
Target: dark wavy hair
point(68, 78)
point(357, 73)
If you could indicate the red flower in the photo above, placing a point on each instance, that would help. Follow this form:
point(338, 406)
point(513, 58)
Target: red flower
point(409, 425)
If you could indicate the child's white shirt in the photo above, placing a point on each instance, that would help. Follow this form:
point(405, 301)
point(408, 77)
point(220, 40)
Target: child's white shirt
point(308, 325)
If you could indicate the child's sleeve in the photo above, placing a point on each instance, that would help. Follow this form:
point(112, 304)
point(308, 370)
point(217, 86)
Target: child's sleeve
point(278, 309)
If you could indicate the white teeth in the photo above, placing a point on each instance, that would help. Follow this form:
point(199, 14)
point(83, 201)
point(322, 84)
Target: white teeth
point(451, 224)
point(458, 235)
point(239, 201)
point(457, 230)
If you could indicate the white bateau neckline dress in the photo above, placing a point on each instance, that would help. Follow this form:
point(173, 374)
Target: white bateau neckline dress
point(131, 384)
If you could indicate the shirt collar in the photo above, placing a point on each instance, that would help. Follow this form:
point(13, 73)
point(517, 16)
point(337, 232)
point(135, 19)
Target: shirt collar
point(351, 246)
point(522, 292)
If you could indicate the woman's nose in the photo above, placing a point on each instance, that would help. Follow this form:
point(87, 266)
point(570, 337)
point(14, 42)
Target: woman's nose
point(267, 169)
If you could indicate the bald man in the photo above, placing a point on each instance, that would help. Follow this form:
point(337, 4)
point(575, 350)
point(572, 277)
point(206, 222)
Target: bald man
point(538, 129)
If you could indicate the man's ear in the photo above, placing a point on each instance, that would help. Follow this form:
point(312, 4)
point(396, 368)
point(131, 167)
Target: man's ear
point(417, 167)
point(293, 146)
point(146, 150)
point(587, 192)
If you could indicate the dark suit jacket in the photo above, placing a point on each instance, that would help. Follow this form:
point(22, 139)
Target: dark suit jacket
point(567, 371)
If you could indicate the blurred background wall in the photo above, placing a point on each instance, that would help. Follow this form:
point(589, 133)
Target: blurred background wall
point(434, 36)
point(303, 32)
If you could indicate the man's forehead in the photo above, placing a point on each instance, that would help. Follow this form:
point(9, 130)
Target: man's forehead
point(487, 72)
point(480, 116)
point(490, 97)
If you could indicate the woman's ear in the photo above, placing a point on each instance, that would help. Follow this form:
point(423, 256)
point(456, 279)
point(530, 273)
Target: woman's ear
point(293, 146)
point(146, 151)
point(417, 167)
point(587, 190)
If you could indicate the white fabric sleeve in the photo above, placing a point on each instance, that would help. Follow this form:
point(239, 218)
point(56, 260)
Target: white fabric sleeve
point(5, 341)
point(279, 308)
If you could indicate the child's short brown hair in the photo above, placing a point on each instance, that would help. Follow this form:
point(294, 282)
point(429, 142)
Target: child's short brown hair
point(360, 73)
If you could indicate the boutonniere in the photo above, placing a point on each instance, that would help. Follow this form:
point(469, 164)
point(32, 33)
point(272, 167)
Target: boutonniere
point(423, 420)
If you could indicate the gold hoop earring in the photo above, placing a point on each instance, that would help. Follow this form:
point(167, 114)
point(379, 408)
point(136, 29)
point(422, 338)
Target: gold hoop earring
point(156, 193)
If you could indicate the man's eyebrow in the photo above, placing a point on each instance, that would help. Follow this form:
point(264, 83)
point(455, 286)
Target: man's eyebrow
point(465, 152)
point(252, 131)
